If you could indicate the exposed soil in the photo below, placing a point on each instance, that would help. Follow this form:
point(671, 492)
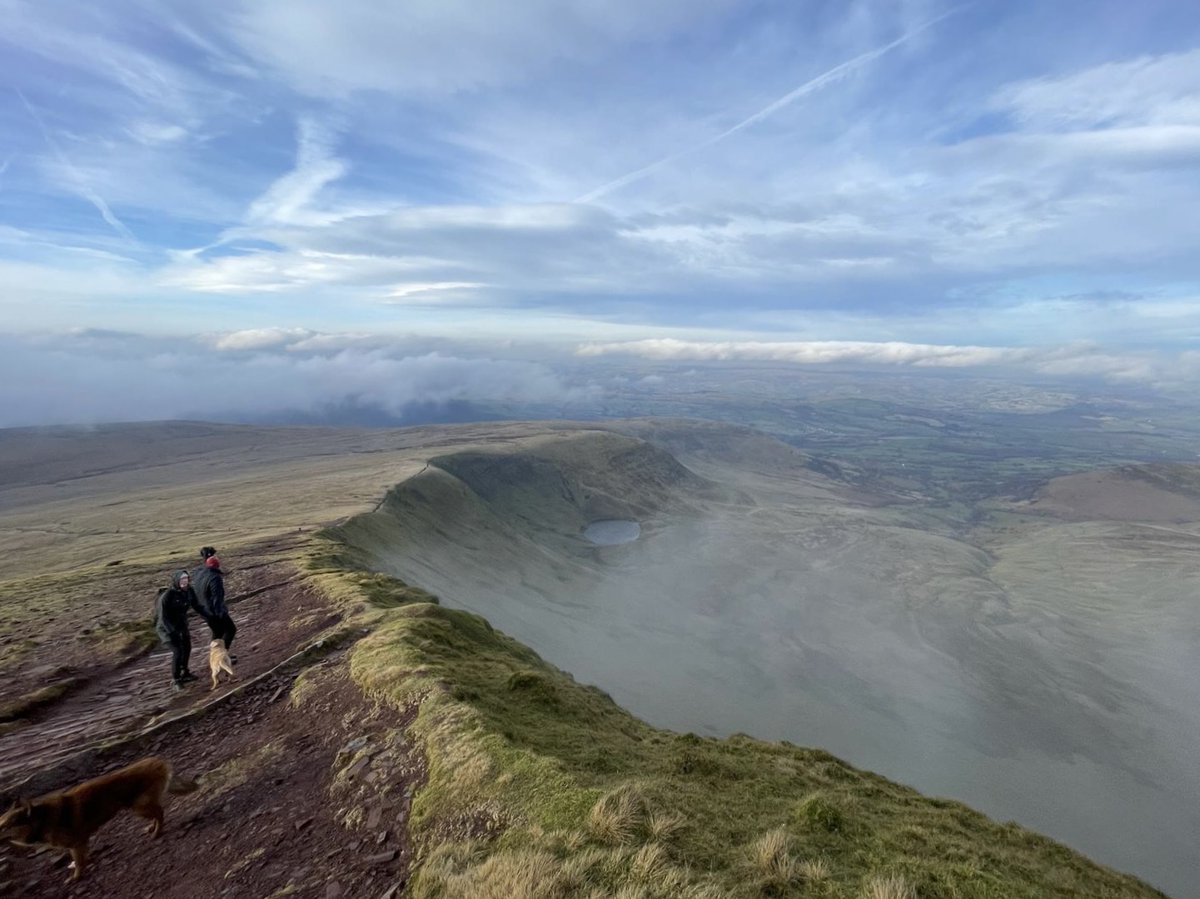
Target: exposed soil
point(81, 628)
point(304, 784)
point(276, 618)
point(309, 800)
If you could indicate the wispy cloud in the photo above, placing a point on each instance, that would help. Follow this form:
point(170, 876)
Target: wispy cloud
point(831, 76)
point(288, 200)
point(75, 177)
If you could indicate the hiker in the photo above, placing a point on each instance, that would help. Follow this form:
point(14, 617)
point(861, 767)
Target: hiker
point(209, 583)
point(170, 621)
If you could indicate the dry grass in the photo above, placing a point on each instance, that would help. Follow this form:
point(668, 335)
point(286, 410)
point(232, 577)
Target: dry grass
point(650, 864)
point(771, 855)
point(705, 891)
point(523, 874)
point(662, 827)
point(631, 891)
point(889, 886)
point(617, 816)
point(585, 866)
point(814, 870)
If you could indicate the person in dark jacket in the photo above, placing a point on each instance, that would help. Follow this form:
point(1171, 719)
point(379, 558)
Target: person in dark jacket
point(209, 584)
point(170, 621)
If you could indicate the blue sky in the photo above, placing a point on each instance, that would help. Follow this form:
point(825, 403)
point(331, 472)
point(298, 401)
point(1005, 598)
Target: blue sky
point(644, 176)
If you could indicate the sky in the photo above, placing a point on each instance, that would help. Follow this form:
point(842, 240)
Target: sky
point(911, 182)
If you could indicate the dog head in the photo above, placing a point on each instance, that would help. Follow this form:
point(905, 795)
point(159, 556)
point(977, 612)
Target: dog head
point(19, 823)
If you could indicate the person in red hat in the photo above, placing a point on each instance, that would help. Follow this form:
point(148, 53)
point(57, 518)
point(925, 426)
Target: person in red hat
point(209, 583)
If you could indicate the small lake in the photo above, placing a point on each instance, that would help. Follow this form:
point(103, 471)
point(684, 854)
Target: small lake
point(612, 532)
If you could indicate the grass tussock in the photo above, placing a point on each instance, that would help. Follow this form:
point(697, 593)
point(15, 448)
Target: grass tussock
point(774, 864)
point(650, 864)
point(617, 816)
point(662, 827)
point(821, 814)
point(814, 870)
point(540, 787)
point(890, 886)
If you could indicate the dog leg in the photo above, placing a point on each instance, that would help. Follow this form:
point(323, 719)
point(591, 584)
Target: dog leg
point(152, 809)
point(78, 861)
point(156, 826)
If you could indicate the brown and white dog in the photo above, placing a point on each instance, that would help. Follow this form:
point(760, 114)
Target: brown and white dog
point(68, 818)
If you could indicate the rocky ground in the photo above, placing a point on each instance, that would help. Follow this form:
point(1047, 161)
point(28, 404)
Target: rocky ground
point(305, 785)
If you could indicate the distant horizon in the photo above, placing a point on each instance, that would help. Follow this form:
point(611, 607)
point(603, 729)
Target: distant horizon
point(115, 379)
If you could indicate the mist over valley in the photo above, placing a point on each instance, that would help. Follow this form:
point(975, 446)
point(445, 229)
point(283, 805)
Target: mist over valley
point(1027, 655)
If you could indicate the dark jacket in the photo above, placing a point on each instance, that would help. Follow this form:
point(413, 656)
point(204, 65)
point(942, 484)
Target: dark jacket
point(170, 612)
point(209, 585)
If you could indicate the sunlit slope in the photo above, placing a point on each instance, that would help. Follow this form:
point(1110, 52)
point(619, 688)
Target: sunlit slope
point(768, 599)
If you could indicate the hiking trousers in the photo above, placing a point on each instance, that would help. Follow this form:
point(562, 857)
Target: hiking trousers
point(181, 651)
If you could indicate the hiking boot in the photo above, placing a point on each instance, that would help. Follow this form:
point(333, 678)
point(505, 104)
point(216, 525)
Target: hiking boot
point(233, 658)
point(187, 676)
point(177, 685)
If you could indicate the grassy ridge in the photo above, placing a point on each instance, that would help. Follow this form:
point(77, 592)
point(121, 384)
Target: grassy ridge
point(541, 787)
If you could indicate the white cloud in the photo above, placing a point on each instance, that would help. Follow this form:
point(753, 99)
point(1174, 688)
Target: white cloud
point(436, 48)
point(274, 272)
point(435, 292)
point(811, 352)
point(261, 338)
point(1077, 360)
point(1147, 90)
point(97, 377)
point(156, 132)
point(286, 201)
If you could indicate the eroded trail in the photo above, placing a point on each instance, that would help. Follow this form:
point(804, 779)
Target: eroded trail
point(275, 619)
point(303, 791)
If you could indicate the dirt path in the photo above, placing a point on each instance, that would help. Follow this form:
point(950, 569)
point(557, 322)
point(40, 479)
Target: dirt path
point(275, 619)
point(303, 794)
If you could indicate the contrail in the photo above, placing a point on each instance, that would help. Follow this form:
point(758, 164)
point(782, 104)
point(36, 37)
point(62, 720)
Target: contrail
point(787, 99)
point(81, 186)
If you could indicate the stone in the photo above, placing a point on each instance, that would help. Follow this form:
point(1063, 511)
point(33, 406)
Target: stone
point(382, 857)
point(333, 890)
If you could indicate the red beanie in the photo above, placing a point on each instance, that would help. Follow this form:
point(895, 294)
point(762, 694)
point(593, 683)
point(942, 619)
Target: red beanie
point(212, 562)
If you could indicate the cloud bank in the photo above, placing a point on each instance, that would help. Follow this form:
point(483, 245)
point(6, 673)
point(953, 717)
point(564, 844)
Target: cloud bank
point(276, 376)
